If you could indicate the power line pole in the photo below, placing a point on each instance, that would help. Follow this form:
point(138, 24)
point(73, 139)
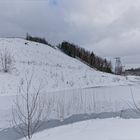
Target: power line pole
point(118, 66)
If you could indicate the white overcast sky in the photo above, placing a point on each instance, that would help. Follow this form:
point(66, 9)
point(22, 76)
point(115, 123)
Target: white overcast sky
point(108, 27)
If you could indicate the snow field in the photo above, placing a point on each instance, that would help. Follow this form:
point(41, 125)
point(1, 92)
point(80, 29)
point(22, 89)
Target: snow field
point(68, 86)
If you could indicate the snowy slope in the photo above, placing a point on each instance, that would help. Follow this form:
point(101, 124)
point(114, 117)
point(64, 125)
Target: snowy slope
point(56, 70)
point(106, 129)
point(73, 87)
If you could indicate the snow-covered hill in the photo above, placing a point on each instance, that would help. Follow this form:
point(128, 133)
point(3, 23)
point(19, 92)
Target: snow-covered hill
point(70, 86)
point(56, 70)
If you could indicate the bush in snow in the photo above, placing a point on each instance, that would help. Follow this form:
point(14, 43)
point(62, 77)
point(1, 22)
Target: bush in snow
point(6, 61)
point(28, 112)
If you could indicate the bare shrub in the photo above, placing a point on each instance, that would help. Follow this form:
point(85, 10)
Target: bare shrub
point(6, 61)
point(135, 104)
point(28, 112)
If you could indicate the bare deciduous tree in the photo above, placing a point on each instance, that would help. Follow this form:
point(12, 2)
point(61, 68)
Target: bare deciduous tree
point(28, 113)
point(6, 61)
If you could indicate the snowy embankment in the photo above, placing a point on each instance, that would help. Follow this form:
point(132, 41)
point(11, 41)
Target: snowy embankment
point(106, 129)
point(68, 85)
point(56, 70)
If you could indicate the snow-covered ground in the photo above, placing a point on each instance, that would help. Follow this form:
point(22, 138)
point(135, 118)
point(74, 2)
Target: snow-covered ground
point(56, 70)
point(106, 129)
point(71, 86)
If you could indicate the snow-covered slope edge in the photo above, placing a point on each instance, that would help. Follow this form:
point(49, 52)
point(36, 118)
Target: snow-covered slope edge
point(113, 129)
point(56, 70)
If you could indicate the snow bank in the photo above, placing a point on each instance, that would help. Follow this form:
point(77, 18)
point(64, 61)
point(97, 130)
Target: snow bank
point(106, 129)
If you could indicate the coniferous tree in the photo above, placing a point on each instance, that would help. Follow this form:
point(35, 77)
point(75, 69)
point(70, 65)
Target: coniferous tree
point(88, 57)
